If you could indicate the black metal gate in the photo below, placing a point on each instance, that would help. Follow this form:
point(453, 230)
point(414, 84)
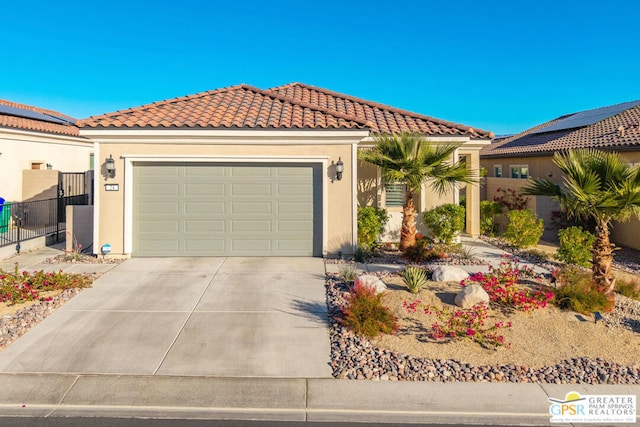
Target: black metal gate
point(20, 221)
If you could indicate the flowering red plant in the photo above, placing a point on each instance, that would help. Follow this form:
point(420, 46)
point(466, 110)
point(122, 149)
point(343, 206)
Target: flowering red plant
point(458, 324)
point(502, 286)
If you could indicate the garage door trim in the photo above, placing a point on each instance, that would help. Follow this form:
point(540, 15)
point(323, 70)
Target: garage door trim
point(131, 160)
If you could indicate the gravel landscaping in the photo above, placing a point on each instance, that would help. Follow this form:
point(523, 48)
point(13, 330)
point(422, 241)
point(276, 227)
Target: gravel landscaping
point(14, 325)
point(355, 357)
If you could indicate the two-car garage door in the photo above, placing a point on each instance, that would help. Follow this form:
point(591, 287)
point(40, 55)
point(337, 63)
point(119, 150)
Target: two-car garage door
point(213, 209)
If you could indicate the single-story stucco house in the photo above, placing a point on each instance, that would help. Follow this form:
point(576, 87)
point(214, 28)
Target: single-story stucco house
point(36, 143)
point(512, 160)
point(250, 172)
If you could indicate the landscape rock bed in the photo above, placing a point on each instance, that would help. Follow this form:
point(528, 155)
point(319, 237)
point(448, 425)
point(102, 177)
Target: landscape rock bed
point(355, 357)
point(82, 259)
point(15, 325)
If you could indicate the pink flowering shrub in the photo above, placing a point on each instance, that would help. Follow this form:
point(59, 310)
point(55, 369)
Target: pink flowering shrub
point(502, 286)
point(17, 287)
point(453, 325)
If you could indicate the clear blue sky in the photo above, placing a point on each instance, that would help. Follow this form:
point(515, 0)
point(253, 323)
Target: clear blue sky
point(502, 66)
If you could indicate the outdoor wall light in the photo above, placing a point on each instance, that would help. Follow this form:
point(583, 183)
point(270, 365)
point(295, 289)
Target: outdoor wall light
point(110, 164)
point(339, 169)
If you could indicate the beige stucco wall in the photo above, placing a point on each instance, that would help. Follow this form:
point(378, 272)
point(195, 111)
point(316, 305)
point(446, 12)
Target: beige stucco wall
point(19, 149)
point(624, 234)
point(39, 184)
point(371, 193)
point(340, 204)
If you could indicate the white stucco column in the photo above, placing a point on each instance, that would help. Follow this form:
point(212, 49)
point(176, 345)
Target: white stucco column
point(473, 196)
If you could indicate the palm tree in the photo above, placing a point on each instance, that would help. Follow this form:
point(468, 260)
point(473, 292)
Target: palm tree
point(410, 159)
point(599, 186)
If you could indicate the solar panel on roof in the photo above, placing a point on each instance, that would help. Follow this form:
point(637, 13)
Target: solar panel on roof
point(586, 118)
point(28, 114)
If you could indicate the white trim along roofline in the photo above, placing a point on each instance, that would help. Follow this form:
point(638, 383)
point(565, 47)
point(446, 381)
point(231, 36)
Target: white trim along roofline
point(43, 137)
point(217, 136)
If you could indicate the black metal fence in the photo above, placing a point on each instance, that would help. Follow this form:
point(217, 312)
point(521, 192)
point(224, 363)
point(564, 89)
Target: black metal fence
point(20, 221)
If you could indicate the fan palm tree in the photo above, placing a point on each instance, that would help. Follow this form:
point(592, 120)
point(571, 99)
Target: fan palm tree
point(410, 159)
point(599, 186)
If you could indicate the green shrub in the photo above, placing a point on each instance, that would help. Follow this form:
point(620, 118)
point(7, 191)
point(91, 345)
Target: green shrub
point(576, 246)
point(488, 212)
point(445, 221)
point(371, 222)
point(576, 291)
point(628, 288)
point(414, 279)
point(524, 229)
point(365, 313)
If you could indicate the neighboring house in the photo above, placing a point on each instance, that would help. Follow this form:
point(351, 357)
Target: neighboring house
point(35, 139)
point(510, 161)
point(245, 171)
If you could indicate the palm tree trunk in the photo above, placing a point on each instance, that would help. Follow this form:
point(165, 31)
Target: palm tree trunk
point(602, 261)
point(408, 231)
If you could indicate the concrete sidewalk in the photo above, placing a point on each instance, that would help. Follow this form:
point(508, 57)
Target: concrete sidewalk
point(284, 399)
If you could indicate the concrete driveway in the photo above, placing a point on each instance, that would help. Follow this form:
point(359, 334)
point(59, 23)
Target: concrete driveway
point(248, 317)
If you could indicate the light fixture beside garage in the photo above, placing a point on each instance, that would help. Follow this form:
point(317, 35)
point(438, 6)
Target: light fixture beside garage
point(339, 169)
point(110, 165)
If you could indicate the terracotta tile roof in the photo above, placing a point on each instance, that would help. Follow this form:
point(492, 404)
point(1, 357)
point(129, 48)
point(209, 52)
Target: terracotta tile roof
point(618, 132)
point(379, 117)
point(15, 121)
point(291, 106)
point(241, 106)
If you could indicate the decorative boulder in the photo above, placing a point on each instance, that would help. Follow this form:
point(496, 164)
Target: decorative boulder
point(471, 295)
point(447, 273)
point(372, 282)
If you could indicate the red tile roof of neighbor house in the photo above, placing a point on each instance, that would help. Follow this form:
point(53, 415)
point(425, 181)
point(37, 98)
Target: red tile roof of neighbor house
point(619, 131)
point(245, 106)
point(16, 121)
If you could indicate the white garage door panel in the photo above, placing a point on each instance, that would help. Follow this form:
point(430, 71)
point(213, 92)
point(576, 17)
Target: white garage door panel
point(226, 210)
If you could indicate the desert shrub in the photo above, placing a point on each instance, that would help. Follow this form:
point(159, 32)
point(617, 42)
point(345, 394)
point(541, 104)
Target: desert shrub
point(348, 273)
point(16, 286)
point(362, 254)
point(371, 222)
point(629, 288)
point(501, 284)
point(576, 246)
point(445, 221)
point(423, 251)
point(488, 212)
point(366, 314)
point(510, 199)
point(414, 279)
point(524, 228)
point(577, 291)
point(455, 325)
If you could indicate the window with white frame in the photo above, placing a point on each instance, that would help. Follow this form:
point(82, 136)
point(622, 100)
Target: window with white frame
point(497, 171)
point(394, 194)
point(519, 171)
